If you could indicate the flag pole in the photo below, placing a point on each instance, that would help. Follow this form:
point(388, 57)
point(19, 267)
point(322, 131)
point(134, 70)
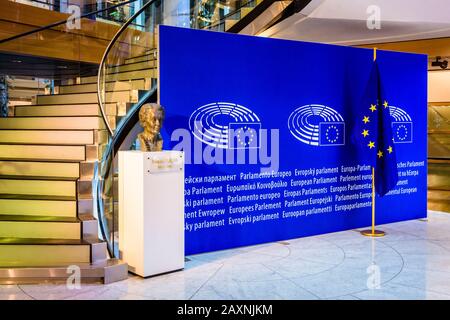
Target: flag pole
point(372, 232)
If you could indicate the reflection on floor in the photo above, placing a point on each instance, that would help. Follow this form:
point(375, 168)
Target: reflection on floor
point(412, 261)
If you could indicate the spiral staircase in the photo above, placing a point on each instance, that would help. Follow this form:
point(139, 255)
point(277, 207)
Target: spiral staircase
point(58, 174)
point(48, 154)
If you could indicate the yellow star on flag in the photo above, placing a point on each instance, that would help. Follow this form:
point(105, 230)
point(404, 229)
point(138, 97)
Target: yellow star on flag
point(371, 144)
point(365, 133)
point(385, 104)
point(373, 107)
point(380, 154)
point(389, 149)
point(366, 119)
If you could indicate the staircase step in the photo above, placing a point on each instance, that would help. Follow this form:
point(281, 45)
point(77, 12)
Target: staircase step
point(44, 169)
point(133, 66)
point(87, 169)
point(47, 227)
point(89, 227)
point(105, 271)
point(41, 178)
point(123, 76)
point(145, 57)
point(84, 189)
point(90, 97)
point(86, 206)
point(26, 218)
point(38, 187)
point(65, 110)
point(138, 84)
point(245, 11)
point(229, 23)
point(17, 252)
point(135, 74)
point(32, 207)
point(41, 152)
point(47, 137)
point(36, 197)
point(52, 123)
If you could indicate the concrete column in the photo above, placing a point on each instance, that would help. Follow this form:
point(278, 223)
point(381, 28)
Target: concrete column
point(3, 96)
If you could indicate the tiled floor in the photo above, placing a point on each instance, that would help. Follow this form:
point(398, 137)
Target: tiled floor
point(412, 261)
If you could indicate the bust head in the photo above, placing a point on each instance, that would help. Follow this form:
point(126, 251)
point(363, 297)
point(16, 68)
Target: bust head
point(151, 117)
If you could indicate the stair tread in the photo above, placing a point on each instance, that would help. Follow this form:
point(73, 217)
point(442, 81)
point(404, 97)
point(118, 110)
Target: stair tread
point(35, 197)
point(47, 130)
point(40, 159)
point(32, 218)
point(93, 265)
point(108, 81)
point(130, 63)
point(42, 241)
point(77, 93)
point(17, 177)
point(142, 55)
point(39, 118)
point(143, 69)
point(58, 105)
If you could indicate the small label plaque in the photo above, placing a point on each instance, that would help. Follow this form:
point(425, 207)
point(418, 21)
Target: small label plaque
point(159, 162)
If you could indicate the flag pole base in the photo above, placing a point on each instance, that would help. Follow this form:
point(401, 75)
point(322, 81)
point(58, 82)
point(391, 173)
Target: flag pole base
point(374, 234)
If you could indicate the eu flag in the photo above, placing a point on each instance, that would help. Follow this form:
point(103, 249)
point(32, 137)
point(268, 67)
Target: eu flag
point(373, 134)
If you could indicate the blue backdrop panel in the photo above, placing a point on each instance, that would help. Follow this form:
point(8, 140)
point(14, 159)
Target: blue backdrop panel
point(231, 93)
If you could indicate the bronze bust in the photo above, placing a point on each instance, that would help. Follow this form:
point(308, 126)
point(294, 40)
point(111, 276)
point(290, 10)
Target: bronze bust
point(151, 117)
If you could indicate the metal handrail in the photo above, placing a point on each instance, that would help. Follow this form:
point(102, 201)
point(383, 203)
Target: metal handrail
point(105, 54)
point(55, 24)
point(109, 153)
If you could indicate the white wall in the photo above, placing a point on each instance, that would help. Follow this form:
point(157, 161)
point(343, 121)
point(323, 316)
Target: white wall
point(437, 11)
point(439, 86)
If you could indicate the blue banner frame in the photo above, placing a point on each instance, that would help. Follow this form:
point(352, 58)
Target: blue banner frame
point(303, 97)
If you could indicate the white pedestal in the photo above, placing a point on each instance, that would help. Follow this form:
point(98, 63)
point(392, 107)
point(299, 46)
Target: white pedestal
point(151, 211)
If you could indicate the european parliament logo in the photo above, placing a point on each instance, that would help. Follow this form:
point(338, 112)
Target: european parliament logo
point(226, 125)
point(332, 133)
point(244, 135)
point(317, 125)
point(402, 126)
